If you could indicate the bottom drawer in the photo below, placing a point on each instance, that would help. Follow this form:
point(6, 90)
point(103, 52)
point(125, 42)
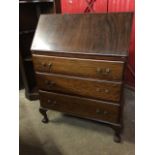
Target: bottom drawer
point(83, 107)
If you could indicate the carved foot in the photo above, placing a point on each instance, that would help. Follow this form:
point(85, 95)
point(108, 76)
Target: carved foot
point(43, 112)
point(117, 137)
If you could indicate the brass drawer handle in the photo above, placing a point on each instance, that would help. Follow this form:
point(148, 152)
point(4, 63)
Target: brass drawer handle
point(48, 101)
point(51, 102)
point(98, 111)
point(105, 71)
point(99, 90)
point(106, 91)
point(49, 83)
point(99, 70)
point(104, 112)
point(44, 64)
point(49, 65)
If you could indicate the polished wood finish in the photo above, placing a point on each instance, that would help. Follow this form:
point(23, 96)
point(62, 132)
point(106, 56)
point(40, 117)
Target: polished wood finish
point(100, 69)
point(99, 34)
point(81, 106)
point(79, 62)
point(81, 55)
point(98, 89)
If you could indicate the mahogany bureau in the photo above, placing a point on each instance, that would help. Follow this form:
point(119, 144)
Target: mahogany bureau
point(79, 63)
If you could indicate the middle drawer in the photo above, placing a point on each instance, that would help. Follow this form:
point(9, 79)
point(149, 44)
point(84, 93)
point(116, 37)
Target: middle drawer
point(97, 89)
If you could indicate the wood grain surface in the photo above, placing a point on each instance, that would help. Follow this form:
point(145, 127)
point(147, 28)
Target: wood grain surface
point(80, 106)
point(97, 89)
point(100, 69)
point(102, 34)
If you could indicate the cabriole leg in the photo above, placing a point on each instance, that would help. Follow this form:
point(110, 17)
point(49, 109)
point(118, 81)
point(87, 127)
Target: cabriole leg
point(117, 137)
point(43, 112)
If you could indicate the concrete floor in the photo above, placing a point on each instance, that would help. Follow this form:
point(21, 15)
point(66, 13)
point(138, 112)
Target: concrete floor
point(66, 135)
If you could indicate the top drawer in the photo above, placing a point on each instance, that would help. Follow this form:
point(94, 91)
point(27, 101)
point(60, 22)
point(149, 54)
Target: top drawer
point(100, 69)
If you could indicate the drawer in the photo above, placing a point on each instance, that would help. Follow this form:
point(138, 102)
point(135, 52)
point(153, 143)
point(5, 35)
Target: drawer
point(84, 107)
point(97, 89)
point(100, 69)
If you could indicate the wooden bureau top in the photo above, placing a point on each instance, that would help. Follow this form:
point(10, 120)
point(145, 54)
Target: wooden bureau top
point(98, 34)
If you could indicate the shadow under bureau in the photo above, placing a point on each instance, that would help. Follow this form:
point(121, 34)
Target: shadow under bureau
point(79, 63)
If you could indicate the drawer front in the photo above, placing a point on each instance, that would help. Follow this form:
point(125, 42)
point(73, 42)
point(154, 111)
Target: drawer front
point(98, 89)
point(80, 106)
point(101, 69)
